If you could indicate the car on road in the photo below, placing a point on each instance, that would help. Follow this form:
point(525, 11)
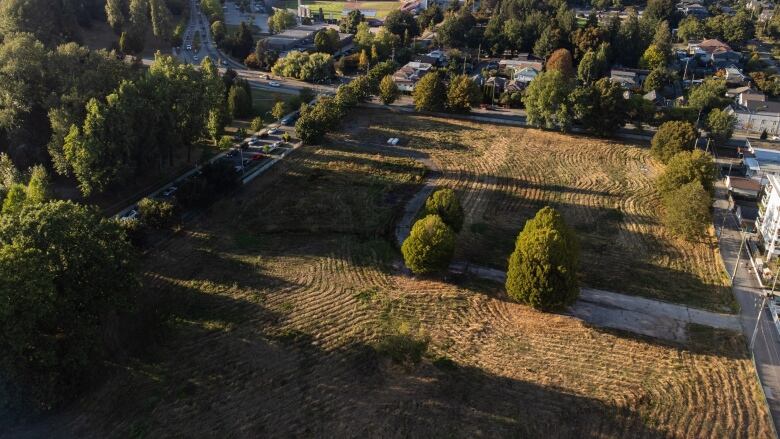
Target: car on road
point(257, 156)
point(169, 191)
point(231, 153)
point(223, 62)
point(274, 84)
point(189, 46)
point(238, 168)
point(195, 57)
point(275, 131)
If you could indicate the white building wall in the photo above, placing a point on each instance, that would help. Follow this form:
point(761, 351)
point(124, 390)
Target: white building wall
point(757, 123)
point(769, 220)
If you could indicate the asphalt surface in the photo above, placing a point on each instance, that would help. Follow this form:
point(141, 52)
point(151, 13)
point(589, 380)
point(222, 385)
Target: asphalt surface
point(749, 295)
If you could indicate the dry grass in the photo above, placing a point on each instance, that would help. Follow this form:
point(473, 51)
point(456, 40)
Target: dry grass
point(286, 324)
point(604, 189)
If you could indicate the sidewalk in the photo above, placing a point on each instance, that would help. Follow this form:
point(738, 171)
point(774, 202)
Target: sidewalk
point(749, 295)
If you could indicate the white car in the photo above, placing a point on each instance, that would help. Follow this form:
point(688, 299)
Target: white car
point(195, 57)
point(168, 192)
point(274, 84)
point(189, 46)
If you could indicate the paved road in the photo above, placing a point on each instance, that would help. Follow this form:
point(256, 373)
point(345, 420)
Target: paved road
point(749, 293)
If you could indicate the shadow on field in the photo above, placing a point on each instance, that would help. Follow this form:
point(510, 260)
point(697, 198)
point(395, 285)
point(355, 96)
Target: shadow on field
point(253, 378)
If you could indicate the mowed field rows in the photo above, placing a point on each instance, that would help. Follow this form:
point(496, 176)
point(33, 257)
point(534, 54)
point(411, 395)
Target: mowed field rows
point(604, 189)
point(290, 320)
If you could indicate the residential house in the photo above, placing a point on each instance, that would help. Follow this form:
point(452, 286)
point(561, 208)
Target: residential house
point(434, 57)
point(628, 79)
point(756, 116)
point(518, 63)
point(657, 99)
point(696, 10)
point(734, 76)
point(407, 76)
point(714, 51)
point(525, 75)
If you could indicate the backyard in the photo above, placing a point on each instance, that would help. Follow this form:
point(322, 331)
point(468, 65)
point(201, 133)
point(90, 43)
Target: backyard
point(290, 317)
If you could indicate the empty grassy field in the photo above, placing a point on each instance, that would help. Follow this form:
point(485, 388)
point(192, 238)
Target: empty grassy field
point(290, 320)
point(604, 189)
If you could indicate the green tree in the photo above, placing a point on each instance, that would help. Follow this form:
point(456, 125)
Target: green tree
point(543, 268)
point(350, 23)
point(653, 58)
point(327, 40)
point(672, 138)
point(691, 29)
point(721, 125)
point(156, 214)
point(401, 23)
point(364, 61)
point(256, 124)
point(462, 94)
point(15, 199)
point(591, 67)
point(446, 205)
point(549, 40)
point(710, 94)
point(429, 247)
point(218, 31)
point(600, 107)
point(280, 21)
point(39, 186)
point(67, 274)
point(239, 103)
point(114, 15)
point(216, 123)
point(279, 110)
point(687, 211)
point(388, 90)
point(547, 100)
point(429, 93)
point(686, 167)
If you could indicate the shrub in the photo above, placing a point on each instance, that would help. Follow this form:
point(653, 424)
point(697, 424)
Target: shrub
point(445, 203)
point(388, 90)
point(543, 268)
point(156, 214)
point(430, 246)
point(256, 124)
point(671, 138)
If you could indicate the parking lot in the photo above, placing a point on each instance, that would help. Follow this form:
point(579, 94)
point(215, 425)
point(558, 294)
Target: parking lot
point(258, 16)
point(247, 157)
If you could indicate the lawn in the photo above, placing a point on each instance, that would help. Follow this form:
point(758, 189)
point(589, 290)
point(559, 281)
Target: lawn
point(336, 8)
point(263, 101)
point(604, 190)
point(290, 319)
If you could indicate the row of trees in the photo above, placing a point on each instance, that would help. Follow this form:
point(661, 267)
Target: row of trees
point(687, 181)
point(144, 123)
point(458, 95)
point(314, 67)
point(316, 120)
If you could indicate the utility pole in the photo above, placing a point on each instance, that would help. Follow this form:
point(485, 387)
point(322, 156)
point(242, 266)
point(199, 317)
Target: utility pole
point(758, 320)
point(739, 253)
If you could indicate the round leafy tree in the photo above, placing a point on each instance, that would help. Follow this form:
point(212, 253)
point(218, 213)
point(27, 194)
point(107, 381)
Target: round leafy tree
point(671, 138)
point(445, 203)
point(430, 246)
point(543, 268)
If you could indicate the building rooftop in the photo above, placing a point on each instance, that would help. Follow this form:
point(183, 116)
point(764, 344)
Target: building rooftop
point(754, 143)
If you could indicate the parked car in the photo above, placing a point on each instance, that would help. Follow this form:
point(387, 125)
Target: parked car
point(290, 120)
point(275, 131)
point(274, 84)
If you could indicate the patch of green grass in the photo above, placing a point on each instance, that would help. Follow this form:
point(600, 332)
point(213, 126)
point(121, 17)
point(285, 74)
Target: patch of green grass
point(264, 101)
point(367, 295)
